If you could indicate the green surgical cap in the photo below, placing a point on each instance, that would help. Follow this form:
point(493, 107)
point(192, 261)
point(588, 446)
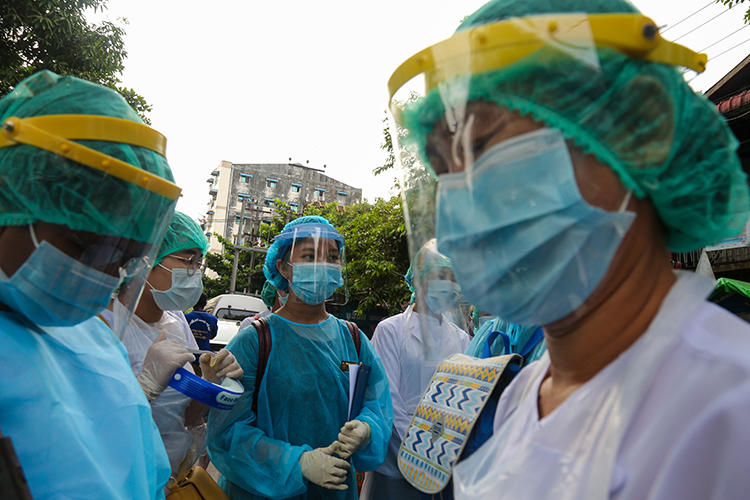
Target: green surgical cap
point(427, 261)
point(38, 185)
point(663, 140)
point(183, 233)
point(268, 294)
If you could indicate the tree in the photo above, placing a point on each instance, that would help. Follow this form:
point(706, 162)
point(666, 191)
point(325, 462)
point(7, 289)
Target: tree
point(387, 146)
point(732, 3)
point(55, 35)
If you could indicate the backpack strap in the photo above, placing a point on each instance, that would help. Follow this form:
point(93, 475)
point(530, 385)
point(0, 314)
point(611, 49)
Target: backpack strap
point(264, 351)
point(354, 332)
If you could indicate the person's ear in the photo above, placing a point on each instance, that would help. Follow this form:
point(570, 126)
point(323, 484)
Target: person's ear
point(283, 269)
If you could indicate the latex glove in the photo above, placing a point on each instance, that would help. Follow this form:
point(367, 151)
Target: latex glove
point(222, 364)
point(352, 436)
point(319, 466)
point(163, 358)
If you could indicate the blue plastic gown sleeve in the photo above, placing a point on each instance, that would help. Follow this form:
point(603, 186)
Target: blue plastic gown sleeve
point(377, 411)
point(480, 339)
point(244, 454)
point(80, 423)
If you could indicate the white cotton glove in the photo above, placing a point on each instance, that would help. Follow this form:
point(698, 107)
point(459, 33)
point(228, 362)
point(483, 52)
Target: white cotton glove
point(352, 436)
point(163, 358)
point(214, 367)
point(319, 466)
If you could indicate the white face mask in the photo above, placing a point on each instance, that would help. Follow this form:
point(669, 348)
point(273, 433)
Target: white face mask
point(184, 292)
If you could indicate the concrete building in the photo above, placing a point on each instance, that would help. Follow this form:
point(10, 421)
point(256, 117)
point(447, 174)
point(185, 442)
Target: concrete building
point(259, 184)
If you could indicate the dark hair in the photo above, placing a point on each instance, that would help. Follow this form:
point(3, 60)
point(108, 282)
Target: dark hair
point(201, 302)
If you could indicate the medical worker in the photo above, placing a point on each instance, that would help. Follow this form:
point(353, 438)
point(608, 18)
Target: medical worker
point(411, 345)
point(570, 158)
point(158, 337)
point(296, 443)
point(85, 199)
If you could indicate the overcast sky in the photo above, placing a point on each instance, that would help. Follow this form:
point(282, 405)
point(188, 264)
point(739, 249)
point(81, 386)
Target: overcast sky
point(260, 82)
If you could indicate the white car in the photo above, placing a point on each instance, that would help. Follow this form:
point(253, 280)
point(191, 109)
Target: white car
point(230, 310)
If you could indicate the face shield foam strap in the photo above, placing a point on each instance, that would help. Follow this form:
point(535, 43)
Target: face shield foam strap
point(497, 45)
point(310, 230)
point(53, 133)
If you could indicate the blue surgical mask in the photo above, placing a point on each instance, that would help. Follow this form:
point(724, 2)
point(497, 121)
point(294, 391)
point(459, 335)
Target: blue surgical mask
point(441, 296)
point(314, 282)
point(53, 289)
point(524, 244)
point(185, 291)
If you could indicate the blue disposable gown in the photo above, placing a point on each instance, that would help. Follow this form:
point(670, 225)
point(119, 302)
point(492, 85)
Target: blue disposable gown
point(302, 404)
point(80, 423)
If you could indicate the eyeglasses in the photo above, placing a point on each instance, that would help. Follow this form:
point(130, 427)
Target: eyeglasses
point(192, 264)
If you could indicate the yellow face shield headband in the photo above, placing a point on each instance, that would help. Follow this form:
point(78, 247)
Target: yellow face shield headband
point(498, 45)
point(55, 133)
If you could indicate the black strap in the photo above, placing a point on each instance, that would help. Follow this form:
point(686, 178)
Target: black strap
point(264, 351)
point(13, 485)
point(354, 332)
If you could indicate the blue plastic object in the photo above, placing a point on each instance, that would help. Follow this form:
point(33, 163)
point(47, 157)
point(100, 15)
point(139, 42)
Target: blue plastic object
point(203, 391)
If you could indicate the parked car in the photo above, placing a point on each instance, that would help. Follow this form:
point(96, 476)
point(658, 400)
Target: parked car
point(230, 310)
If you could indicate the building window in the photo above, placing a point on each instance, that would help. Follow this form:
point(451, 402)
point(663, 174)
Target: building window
point(268, 202)
point(245, 197)
point(294, 207)
point(319, 193)
point(245, 178)
point(295, 189)
point(271, 183)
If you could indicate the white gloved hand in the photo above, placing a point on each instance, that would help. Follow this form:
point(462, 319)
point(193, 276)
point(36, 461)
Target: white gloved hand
point(163, 358)
point(222, 364)
point(352, 436)
point(320, 467)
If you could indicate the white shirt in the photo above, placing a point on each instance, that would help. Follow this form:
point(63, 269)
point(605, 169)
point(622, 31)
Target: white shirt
point(169, 408)
point(410, 358)
point(665, 420)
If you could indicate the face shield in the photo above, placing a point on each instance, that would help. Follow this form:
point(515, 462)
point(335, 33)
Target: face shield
point(313, 263)
point(487, 123)
point(101, 184)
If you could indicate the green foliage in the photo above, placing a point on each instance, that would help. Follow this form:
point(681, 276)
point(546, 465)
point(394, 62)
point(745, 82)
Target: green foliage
point(731, 3)
point(387, 146)
point(376, 254)
point(249, 278)
point(54, 35)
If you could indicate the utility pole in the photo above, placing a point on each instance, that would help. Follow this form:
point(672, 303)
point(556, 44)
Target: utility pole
point(236, 248)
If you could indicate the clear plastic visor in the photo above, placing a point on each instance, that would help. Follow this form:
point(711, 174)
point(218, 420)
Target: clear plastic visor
point(314, 264)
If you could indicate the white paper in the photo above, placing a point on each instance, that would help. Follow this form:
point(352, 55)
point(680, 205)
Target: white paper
point(353, 369)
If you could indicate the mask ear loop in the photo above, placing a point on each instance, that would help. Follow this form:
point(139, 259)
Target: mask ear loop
point(626, 201)
point(163, 267)
point(34, 240)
